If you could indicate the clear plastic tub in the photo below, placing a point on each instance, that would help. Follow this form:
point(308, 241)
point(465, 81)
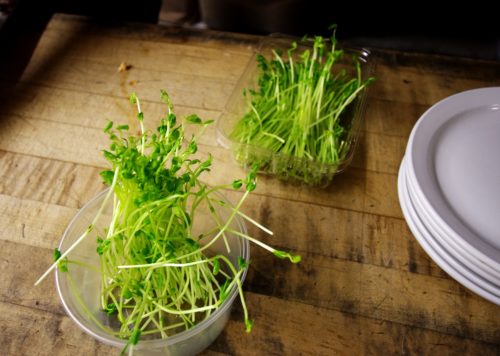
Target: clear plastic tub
point(284, 166)
point(83, 305)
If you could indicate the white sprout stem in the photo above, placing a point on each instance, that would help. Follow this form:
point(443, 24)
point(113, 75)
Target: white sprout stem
point(273, 136)
point(116, 207)
point(139, 111)
point(166, 264)
point(255, 241)
point(87, 231)
point(217, 220)
point(243, 215)
point(237, 280)
point(189, 311)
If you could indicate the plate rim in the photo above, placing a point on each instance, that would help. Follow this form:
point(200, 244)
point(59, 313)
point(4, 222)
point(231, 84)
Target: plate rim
point(456, 246)
point(439, 114)
point(434, 255)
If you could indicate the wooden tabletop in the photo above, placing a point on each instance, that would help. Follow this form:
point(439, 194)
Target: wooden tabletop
point(364, 286)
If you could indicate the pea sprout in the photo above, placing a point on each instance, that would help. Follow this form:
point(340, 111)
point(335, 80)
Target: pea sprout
point(157, 275)
point(297, 108)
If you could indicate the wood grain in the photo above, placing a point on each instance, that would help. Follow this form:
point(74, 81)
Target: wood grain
point(290, 328)
point(362, 238)
point(32, 331)
point(53, 140)
point(376, 151)
point(438, 304)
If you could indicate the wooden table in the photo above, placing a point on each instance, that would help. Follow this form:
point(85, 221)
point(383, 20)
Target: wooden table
point(364, 286)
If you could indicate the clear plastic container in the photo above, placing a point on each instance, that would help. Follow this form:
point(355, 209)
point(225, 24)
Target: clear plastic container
point(84, 304)
point(284, 166)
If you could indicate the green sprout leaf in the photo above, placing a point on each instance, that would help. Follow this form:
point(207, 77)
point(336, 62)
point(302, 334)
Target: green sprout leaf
point(107, 176)
point(166, 99)
point(242, 262)
point(62, 263)
point(237, 184)
point(251, 186)
point(172, 119)
point(193, 147)
point(248, 325)
point(102, 245)
point(224, 290)
point(57, 254)
point(134, 338)
point(133, 98)
point(216, 267)
point(194, 119)
point(111, 309)
point(283, 255)
point(108, 126)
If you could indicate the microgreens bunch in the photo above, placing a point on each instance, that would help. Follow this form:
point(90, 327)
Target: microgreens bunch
point(157, 276)
point(296, 109)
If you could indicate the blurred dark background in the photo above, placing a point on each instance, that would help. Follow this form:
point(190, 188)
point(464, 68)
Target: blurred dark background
point(468, 30)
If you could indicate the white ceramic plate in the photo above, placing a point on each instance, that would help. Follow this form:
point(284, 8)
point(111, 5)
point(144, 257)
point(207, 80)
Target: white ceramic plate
point(451, 266)
point(452, 155)
point(453, 247)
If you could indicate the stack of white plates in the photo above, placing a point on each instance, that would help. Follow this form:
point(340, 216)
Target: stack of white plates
point(449, 188)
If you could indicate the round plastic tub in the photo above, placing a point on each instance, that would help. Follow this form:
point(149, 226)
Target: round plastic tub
point(81, 300)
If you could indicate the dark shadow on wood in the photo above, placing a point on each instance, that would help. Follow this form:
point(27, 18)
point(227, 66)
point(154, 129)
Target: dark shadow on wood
point(20, 35)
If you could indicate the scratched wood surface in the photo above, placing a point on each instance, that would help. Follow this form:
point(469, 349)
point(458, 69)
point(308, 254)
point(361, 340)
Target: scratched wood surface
point(364, 285)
